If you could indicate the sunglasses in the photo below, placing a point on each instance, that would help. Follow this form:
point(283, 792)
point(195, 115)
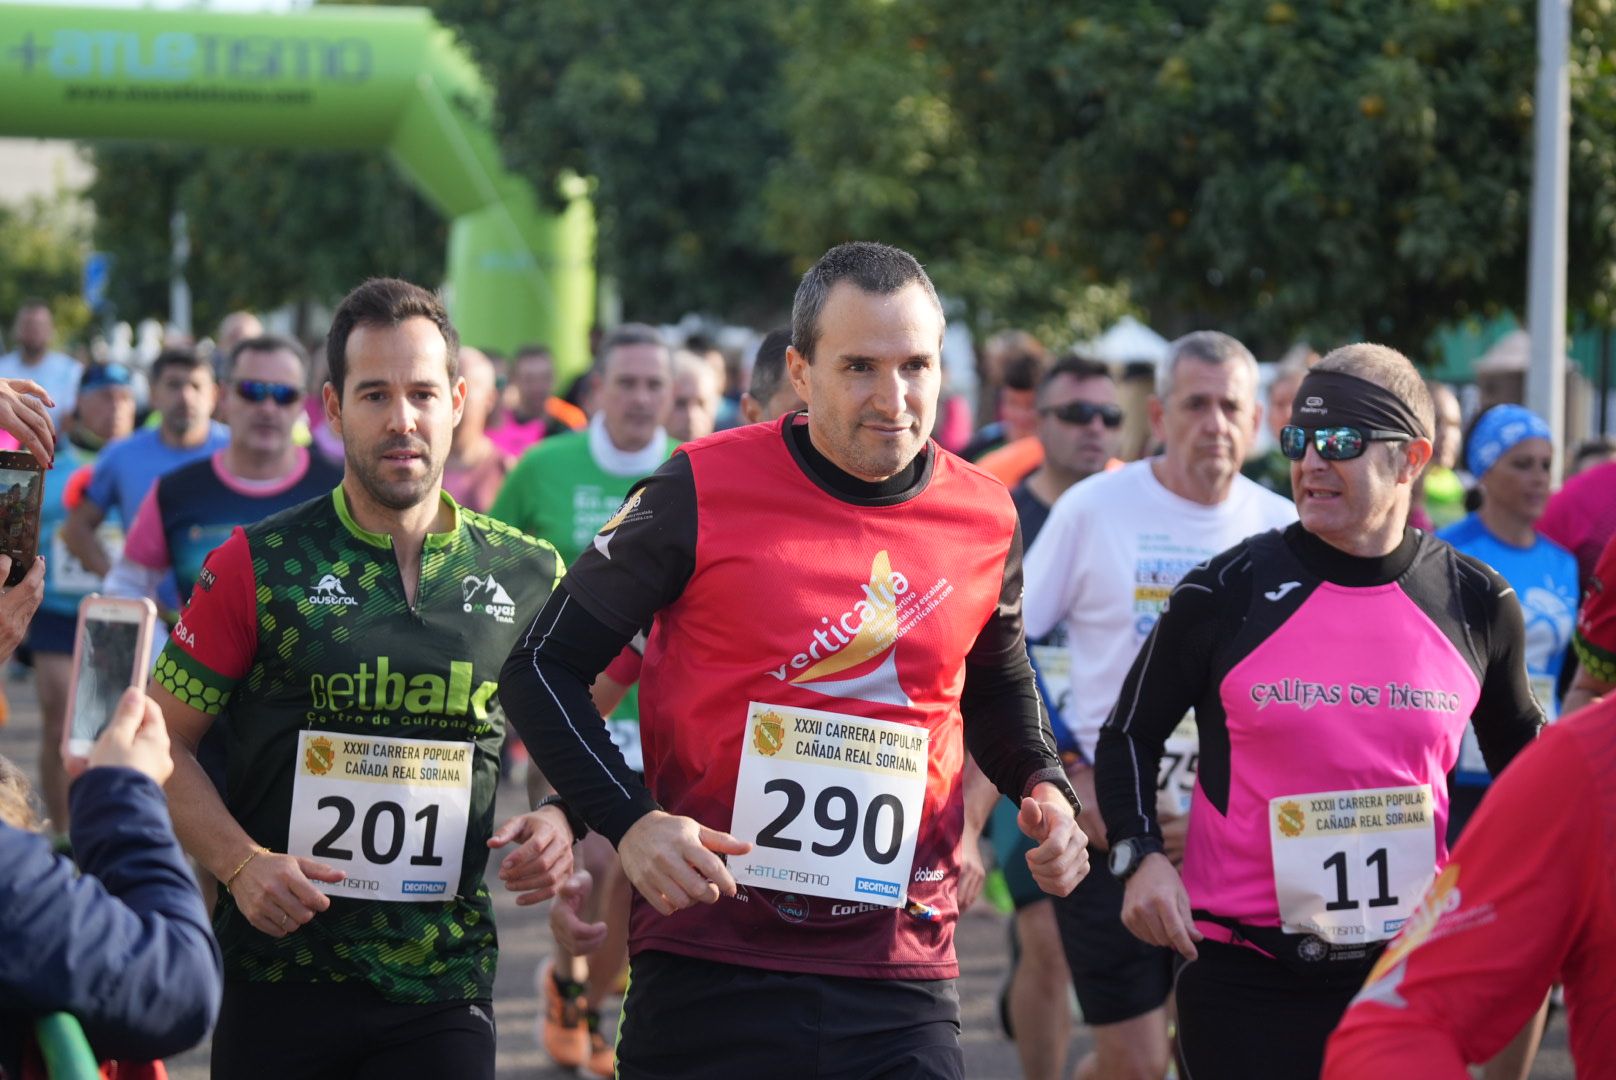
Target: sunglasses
point(1333, 443)
point(1081, 412)
point(254, 391)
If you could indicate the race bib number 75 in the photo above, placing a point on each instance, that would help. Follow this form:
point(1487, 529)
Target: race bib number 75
point(390, 813)
point(831, 804)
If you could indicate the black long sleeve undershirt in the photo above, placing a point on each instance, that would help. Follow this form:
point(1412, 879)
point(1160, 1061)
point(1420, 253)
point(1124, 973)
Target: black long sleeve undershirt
point(603, 603)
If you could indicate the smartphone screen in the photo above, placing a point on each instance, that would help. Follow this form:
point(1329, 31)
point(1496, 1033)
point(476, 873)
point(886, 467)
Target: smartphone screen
point(107, 657)
point(21, 491)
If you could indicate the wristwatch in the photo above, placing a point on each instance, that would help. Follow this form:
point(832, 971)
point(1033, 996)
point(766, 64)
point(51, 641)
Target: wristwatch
point(576, 823)
point(1126, 856)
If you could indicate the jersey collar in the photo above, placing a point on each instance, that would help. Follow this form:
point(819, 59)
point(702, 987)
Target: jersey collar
point(434, 540)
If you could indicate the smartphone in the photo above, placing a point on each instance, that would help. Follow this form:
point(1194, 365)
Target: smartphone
point(22, 489)
point(111, 653)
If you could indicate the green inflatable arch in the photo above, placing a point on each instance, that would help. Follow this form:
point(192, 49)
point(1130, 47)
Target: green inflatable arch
point(335, 77)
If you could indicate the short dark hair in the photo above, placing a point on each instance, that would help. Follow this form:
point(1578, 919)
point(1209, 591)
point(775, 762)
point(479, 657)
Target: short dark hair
point(1024, 371)
point(385, 302)
point(532, 349)
point(875, 268)
point(701, 343)
point(769, 368)
point(1076, 365)
point(634, 333)
point(33, 303)
point(268, 343)
point(178, 357)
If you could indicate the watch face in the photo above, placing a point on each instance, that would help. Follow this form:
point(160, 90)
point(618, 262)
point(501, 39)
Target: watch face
point(1121, 859)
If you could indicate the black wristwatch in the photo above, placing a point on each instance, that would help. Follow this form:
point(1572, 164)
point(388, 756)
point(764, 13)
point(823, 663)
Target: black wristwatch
point(1129, 854)
point(574, 822)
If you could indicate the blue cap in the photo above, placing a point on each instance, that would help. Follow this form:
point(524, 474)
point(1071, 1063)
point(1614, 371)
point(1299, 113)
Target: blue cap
point(98, 375)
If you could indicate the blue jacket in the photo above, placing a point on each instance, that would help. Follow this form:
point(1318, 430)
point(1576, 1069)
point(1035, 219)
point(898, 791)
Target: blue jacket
point(126, 947)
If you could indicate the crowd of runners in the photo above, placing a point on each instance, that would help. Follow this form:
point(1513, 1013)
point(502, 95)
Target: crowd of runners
point(1255, 746)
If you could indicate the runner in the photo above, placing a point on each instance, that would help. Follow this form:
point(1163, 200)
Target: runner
point(1079, 430)
point(33, 358)
point(477, 467)
point(851, 580)
point(1509, 453)
point(193, 509)
point(1529, 899)
point(1332, 667)
point(1114, 546)
point(697, 392)
point(564, 490)
point(769, 392)
point(1595, 639)
point(183, 392)
point(103, 412)
point(352, 643)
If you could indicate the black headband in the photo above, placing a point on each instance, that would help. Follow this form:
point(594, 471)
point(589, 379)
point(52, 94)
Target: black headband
point(1336, 399)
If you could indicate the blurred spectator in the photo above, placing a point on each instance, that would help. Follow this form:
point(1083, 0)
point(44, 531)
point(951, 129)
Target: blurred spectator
point(697, 396)
point(1015, 461)
point(477, 467)
point(103, 413)
point(728, 371)
point(33, 358)
point(1273, 469)
point(534, 410)
point(184, 392)
point(1591, 452)
point(1018, 404)
point(1581, 516)
point(1439, 493)
point(997, 351)
point(770, 393)
point(125, 947)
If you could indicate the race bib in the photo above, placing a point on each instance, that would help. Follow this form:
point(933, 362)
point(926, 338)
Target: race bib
point(830, 803)
point(1350, 866)
point(1053, 666)
point(1472, 768)
point(391, 813)
point(1181, 757)
point(70, 575)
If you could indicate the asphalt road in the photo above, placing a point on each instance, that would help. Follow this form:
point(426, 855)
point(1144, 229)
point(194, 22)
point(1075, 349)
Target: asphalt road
point(524, 945)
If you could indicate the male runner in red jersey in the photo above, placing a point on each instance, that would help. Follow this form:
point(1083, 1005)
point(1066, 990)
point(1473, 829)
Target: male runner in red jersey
point(833, 602)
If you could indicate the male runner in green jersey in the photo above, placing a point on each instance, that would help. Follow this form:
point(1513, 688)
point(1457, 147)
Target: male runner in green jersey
point(354, 643)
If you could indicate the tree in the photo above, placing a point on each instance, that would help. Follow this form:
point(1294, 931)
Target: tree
point(267, 228)
point(42, 247)
point(1342, 169)
point(675, 117)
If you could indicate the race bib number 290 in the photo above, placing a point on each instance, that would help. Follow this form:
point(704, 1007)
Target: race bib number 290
point(390, 813)
point(831, 804)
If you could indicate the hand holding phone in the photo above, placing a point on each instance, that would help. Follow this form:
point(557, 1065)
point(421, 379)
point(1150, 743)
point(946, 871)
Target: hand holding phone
point(18, 604)
point(136, 738)
point(111, 653)
point(22, 491)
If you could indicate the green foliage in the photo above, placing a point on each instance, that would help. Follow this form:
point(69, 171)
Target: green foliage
point(674, 109)
point(42, 247)
point(1337, 169)
point(267, 227)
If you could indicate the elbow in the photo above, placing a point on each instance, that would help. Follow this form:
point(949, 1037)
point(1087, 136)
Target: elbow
point(170, 1013)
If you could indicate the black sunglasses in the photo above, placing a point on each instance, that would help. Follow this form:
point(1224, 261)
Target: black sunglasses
point(1333, 443)
point(1081, 412)
point(254, 391)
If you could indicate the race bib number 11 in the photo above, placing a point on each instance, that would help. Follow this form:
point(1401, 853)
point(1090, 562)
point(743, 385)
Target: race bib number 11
point(831, 804)
point(391, 813)
point(1350, 866)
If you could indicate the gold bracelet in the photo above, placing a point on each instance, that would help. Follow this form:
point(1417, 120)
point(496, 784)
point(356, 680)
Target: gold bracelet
point(234, 874)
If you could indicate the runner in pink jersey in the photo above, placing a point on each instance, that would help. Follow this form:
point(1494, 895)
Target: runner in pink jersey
point(1332, 668)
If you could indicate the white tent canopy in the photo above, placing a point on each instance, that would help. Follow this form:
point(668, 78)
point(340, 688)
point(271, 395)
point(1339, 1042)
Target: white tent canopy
point(1128, 341)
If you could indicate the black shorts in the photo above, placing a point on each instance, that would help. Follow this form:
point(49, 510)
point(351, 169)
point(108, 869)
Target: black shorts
point(687, 1018)
point(347, 1031)
point(1242, 1014)
point(1117, 977)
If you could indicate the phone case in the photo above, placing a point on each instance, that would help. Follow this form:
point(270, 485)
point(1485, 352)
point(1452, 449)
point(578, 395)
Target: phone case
point(22, 489)
point(74, 751)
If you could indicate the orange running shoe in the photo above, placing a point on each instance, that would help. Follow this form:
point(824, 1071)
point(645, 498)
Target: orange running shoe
point(602, 1054)
point(563, 1030)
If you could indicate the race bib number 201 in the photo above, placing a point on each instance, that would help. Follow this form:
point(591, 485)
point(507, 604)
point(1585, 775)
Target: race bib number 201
point(831, 804)
point(390, 813)
point(1350, 866)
